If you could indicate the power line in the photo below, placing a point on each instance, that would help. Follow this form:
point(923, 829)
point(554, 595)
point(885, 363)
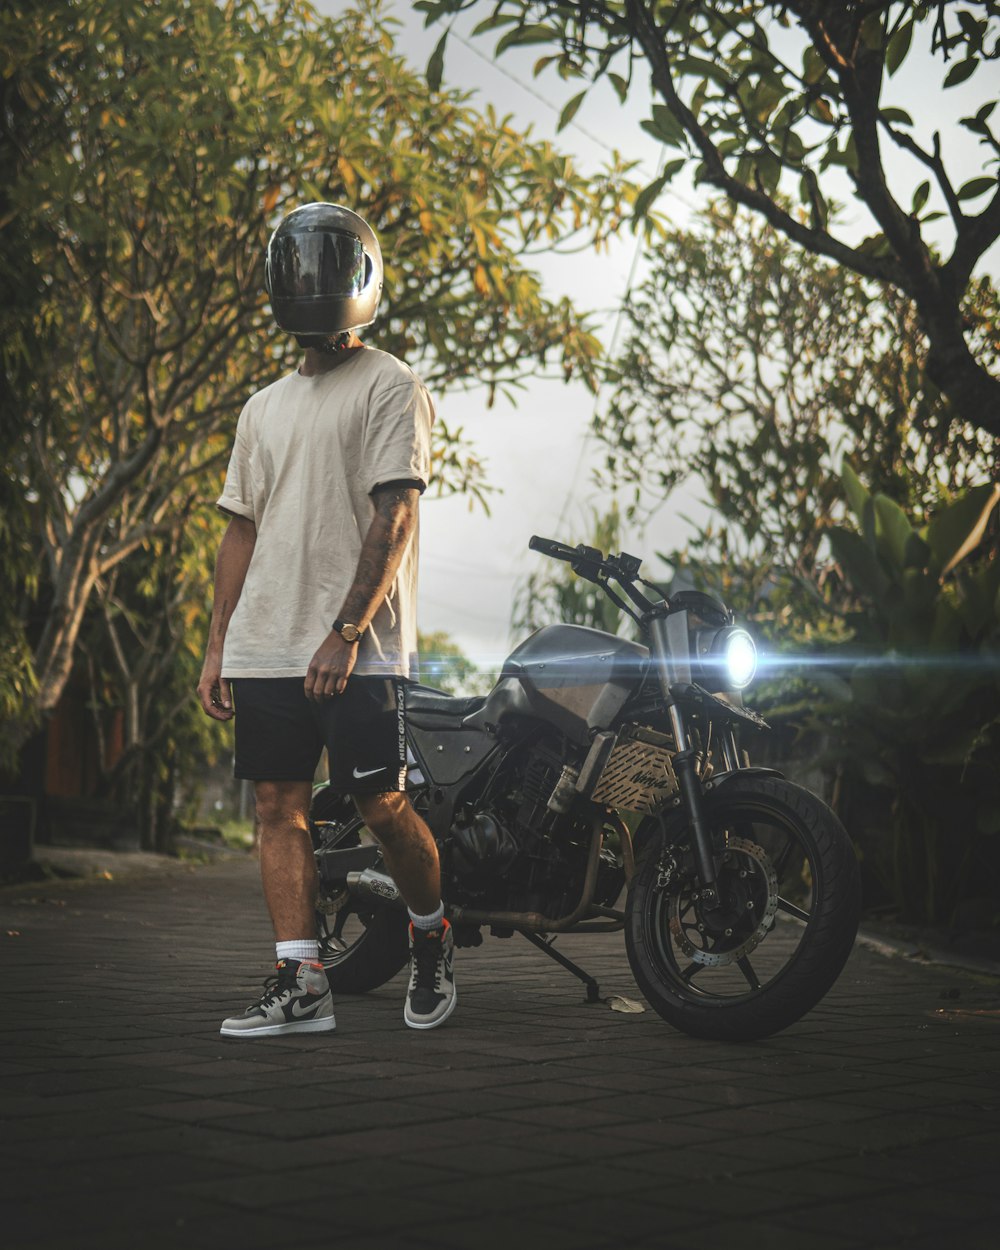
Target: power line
point(554, 108)
point(587, 434)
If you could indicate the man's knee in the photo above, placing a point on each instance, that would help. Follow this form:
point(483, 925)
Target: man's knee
point(384, 814)
point(281, 803)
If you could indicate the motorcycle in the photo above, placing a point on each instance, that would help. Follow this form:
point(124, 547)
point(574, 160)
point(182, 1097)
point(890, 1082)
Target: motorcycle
point(598, 765)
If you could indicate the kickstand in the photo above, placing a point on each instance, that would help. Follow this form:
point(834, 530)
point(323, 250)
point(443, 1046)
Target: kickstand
point(593, 989)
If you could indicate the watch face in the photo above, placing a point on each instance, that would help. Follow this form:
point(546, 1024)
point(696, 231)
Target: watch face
point(350, 633)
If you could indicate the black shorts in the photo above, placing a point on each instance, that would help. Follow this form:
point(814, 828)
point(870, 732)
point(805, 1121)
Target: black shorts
point(280, 734)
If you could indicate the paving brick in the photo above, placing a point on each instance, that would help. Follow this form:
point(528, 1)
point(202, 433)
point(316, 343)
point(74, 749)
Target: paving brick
point(532, 1121)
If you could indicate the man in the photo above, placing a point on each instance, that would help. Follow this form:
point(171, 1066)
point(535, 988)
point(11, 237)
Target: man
point(313, 623)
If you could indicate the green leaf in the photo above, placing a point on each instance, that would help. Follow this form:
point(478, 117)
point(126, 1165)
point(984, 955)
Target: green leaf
point(570, 111)
point(665, 126)
point(976, 187)
point(492, 22)
point(435, 66)
point(697, 65)
point(647, 195)
point(813, 66)
point(896, 115)
point(978, 124)
point(857, 496)
point(859, 563)
point(620, 86)
point(526, 35)
point(960, 72)
point(898, 46)
point(957, 529)
point(893, 528)
point(920, 197)
point(916, 553)
point(972, 28)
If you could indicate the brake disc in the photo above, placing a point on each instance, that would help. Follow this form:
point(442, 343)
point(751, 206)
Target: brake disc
point(757, 862)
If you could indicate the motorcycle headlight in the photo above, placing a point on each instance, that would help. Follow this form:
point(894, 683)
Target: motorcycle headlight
point(737, 656)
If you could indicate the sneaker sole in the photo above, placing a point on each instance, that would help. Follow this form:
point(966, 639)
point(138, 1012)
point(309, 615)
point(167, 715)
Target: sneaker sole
point(433, 1024)
point(326, 1025)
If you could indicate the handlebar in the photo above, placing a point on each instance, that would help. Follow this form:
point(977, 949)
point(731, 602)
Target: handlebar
point(550, 547)
point(594, 566)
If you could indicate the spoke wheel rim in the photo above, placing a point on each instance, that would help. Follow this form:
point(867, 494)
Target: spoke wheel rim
point(333, 947)
point(713, 967)
point(334, 914)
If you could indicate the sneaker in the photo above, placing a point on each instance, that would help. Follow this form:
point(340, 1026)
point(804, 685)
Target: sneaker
point(431, 998)
point(297, 1000)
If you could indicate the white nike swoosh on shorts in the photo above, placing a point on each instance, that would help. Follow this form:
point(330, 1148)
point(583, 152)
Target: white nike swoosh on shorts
point(370, 773)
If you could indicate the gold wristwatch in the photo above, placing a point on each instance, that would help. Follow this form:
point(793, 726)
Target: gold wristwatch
point(347, 631)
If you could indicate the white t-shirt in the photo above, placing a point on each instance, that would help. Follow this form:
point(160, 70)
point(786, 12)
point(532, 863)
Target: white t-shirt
point(308, 453)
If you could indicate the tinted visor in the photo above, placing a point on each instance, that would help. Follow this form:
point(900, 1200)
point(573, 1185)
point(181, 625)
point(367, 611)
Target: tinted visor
point(317, 262)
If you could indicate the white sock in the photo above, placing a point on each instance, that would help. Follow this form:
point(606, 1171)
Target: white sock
point(303, 950)
point(431, 921)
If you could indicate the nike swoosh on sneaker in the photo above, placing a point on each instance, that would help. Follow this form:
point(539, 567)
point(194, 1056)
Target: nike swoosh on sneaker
point(307, 1007)
point(369, 773)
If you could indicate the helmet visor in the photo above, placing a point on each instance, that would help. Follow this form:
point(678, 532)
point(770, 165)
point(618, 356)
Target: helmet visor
point(317, 263)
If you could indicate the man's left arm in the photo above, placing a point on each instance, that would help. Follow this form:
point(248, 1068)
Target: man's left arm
point(381, 554)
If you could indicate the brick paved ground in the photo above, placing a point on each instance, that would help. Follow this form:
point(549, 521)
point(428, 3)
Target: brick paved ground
point(530, 1120)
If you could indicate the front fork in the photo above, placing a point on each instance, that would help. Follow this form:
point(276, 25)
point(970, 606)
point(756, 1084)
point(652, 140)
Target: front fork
point(669, 639)
point(686, 772)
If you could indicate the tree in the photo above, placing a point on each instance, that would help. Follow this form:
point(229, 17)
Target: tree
point(765, 100)
point(445, 665)
point(150, 148)
point(754, 367)
point(140, 652)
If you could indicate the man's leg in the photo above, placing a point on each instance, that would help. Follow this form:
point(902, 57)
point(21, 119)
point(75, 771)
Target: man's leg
point(300, 1000)
point(408, 848)
point(411, 857)
point(287, 862)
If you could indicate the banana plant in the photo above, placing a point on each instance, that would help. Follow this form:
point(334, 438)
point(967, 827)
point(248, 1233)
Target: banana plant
point(913, 701)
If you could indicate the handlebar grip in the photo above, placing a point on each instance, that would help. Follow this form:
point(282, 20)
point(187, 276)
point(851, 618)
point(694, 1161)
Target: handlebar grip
point(550, 547)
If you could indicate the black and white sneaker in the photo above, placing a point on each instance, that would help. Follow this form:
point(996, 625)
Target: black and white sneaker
point(297, 1000)
point(431, 997)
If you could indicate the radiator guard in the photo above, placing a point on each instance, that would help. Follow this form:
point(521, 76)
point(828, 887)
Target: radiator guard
point(639, 774)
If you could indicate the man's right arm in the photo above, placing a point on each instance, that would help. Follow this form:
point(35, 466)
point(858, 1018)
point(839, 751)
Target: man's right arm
point(231, 567)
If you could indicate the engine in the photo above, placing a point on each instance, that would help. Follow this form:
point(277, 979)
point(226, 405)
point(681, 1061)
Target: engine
point(516, 853)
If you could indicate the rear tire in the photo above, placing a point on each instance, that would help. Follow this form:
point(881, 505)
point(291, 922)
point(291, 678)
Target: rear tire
point(361, 947)
point(790, 890)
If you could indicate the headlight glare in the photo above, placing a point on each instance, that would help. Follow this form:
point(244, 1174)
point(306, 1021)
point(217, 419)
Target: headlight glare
point(739, 657)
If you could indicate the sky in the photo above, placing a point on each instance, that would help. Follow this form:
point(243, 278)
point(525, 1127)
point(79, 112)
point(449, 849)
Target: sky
point(540, 455)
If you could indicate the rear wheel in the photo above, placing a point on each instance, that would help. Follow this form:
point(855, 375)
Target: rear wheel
point(360, 946)
point(790, 905)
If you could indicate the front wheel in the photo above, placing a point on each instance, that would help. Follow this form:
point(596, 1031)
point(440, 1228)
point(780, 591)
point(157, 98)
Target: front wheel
point(790, 897)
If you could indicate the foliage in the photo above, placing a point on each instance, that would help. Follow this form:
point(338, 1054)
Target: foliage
point(752, 368)
point(150, 148)
point(767, 102)
point(445, 665)
point(142, 648)
point(913, 702)
point(553, 594)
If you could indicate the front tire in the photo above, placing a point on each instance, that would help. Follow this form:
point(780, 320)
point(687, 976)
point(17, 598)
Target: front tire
point(790, 892)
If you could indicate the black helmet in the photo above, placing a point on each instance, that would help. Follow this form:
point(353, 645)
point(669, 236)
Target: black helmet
point(323, 271)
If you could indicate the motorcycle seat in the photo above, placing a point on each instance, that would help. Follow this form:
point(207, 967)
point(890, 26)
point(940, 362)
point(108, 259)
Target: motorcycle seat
point(424, 700)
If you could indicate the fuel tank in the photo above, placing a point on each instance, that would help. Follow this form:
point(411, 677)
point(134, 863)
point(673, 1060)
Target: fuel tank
point(575, 678)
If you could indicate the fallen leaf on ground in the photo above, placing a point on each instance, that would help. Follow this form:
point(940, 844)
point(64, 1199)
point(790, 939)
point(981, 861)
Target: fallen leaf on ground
point(618, 1002)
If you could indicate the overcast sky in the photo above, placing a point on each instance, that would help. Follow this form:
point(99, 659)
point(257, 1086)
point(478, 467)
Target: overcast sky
point(539, 454)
